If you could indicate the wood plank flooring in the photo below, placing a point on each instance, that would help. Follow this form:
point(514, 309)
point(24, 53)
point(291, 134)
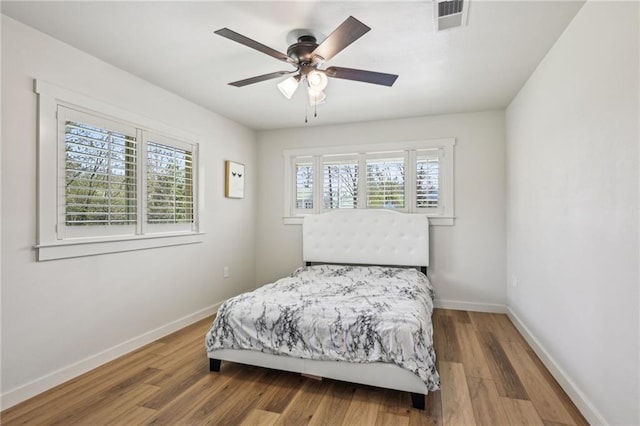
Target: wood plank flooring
point(490, 376)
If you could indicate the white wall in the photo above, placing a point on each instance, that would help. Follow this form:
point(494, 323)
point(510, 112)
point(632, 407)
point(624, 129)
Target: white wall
point(572, 144)
point(467, 259)
point(58, 313)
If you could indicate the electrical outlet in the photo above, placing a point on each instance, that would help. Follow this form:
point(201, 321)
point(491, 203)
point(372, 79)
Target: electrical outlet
point(514, 281)
point(225, 272)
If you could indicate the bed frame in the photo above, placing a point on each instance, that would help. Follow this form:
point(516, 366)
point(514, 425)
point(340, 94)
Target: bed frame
point(359, 237)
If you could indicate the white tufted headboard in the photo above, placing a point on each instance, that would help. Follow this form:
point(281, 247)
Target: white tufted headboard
point(370, 237)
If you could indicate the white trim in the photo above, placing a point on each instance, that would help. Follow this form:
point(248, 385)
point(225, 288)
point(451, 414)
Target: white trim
point(37, 386)
point(470, 306)
point(293, 220)
point(70, 98)
point(89, 247)
point(586, 407)
point(370, 148)
point(440, 220)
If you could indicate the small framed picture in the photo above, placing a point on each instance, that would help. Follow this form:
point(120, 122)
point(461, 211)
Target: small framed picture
point(234, 182)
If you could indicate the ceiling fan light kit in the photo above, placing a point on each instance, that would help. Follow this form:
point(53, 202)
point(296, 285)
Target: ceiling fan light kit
point(289, 86)
point(317, 80)
point(306, 55)
point(316, 97)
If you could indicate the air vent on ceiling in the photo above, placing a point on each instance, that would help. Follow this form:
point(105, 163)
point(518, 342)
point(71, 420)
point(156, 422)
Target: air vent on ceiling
point(450, 14)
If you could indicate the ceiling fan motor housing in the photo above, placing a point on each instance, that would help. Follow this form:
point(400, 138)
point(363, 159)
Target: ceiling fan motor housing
point(301, 51)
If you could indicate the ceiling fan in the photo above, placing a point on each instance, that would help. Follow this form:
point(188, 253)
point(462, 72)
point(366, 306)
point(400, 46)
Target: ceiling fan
point(306, 55)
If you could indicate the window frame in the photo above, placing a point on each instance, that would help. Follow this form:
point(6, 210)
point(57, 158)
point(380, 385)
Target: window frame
point(49, 244)
point(64, 231)
point(340, 158)
point(443, 215)
point(151, 228)
point(293, 187)
point(406, 192)
point(442, 179)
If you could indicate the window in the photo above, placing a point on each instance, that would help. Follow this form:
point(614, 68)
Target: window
point(100, 185)
point(169, 184)
point(412, 177)
point(304, 184)
point(100, 176)
point(385, 182)
point(115, 186)
point(428, 180)
point(340, 183)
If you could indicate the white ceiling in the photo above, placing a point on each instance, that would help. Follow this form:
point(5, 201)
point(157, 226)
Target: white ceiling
point(172, 45)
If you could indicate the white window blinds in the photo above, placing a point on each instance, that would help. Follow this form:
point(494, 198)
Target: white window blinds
point(304, 184)
point(100, 172)
point(411, 177)
point(428, 179)
point(169, 184)
point(122, 180)
point(385, 182)
point(340, 183)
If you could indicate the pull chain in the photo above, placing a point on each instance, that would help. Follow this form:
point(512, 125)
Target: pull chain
point(315, 109)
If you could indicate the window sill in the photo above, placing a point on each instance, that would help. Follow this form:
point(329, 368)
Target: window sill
point(80, 248)
point(433, 221)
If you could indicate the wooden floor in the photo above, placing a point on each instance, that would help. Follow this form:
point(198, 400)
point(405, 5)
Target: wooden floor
point(489, 376)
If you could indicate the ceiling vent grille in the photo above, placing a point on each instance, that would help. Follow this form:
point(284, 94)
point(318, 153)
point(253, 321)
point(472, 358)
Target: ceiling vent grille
point(450, 14)
point(447, 8)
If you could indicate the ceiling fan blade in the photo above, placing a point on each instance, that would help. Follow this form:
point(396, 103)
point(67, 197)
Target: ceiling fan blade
point(362, 75)
point(239, 38)
point(348, 32)
point(260, 78)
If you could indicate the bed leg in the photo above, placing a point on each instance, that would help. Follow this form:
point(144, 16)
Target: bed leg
point(214, 364)
point(417, 399)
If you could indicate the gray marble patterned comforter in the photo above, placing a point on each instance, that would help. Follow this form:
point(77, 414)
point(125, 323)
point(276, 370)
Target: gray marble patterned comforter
point(339, 313)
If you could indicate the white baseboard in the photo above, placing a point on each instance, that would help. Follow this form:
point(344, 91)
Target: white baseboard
point(470, 306)
point(35, 387)
point(578, 397)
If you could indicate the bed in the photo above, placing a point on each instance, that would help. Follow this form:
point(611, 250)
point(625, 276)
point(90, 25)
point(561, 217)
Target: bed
point(358, 311)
